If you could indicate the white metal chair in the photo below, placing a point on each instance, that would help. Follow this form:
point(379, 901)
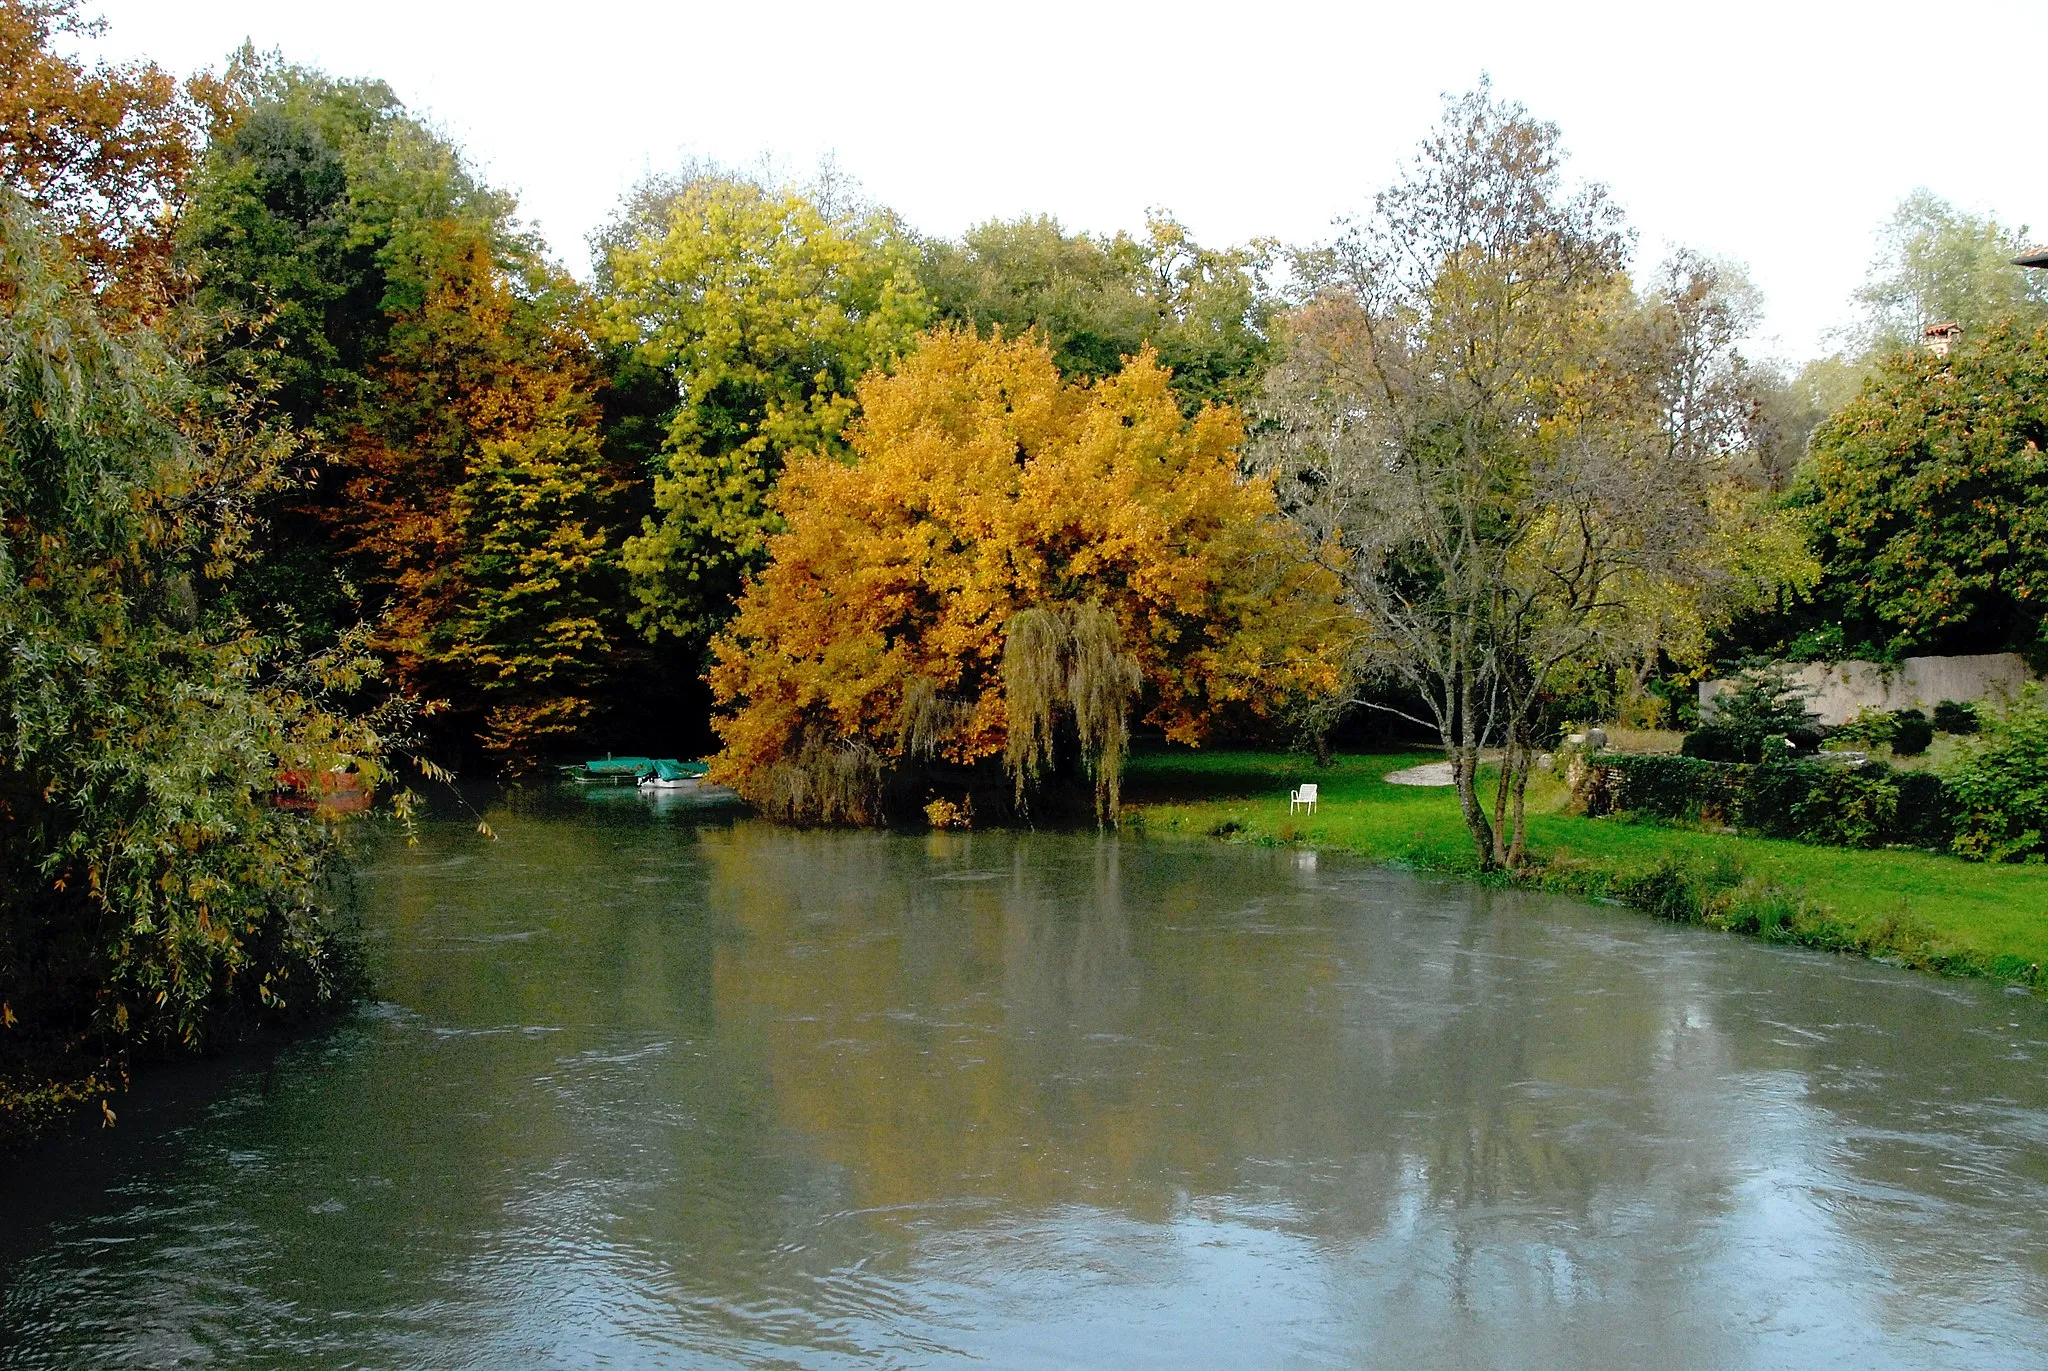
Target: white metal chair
point(1306, 795)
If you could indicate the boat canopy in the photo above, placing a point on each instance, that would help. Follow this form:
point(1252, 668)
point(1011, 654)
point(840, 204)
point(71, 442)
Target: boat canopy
point(669, 769)
point(619, 766)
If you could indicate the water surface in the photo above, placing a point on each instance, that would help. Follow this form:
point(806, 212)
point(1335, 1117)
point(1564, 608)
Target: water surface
point(643, 1093)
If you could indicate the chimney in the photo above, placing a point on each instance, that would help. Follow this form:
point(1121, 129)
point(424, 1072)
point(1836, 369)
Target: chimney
point(1941, 337)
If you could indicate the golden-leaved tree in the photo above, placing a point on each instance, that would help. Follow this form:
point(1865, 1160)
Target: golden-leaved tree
point(477, 496)
point(1010, 567)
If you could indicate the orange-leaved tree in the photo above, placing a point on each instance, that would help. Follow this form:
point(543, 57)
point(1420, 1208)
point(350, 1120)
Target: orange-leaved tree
point(1008, 570)
point(479, 503)
point(103, 152)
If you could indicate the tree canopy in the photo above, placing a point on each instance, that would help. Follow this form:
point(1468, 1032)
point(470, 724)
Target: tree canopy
point(1937, 264)
point(390, 308)
point(1922, 498)
point(1006, 555)
point(102, 152)
point(1503, 451)
point(1206, 314)
point(765, 310)
point(148, 894)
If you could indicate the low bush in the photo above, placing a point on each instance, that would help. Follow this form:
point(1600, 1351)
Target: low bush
point(1905, 731)
point(1911, 733)
point(1835, 806)
point(1825, 803)
point(1663, 787)
point(2000, 786)
point(1683, 892)
point(1954, 716)
point(1876, 727)
point(1924, 811)
point(1713, 743)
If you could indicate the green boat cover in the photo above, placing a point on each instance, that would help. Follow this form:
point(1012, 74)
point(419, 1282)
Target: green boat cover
point(669, 769)
point(620, 766)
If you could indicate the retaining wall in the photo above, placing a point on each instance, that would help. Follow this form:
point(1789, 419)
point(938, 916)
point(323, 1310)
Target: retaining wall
point(1840, 689)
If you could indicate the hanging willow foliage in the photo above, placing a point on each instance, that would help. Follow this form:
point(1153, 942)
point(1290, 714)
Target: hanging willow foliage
point(827, 780)
point(930, 720)
point(1069, 657)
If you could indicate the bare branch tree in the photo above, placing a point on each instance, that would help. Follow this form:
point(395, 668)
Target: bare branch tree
point(1492, 442)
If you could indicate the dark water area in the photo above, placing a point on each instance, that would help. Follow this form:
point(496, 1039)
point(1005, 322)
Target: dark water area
point(644, 1091)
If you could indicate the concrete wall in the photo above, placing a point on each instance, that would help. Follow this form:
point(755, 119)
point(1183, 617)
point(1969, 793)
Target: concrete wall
point(1840, 689)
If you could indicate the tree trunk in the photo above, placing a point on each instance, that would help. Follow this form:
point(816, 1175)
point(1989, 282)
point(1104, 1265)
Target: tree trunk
point(1517, 849)
point(1465, 772)
point(1323, 747)
point(1500, 803)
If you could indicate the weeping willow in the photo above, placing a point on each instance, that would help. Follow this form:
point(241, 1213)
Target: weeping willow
point(827, 780)
point(1069, 657)
point(929, 719)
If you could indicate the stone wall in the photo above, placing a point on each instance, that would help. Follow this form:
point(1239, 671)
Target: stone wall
point(1840, 689)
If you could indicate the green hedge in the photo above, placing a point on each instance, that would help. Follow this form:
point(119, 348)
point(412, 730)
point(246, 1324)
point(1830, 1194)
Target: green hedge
point(1813, 802)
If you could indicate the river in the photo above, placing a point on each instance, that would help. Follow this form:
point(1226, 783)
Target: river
point(647, 1089)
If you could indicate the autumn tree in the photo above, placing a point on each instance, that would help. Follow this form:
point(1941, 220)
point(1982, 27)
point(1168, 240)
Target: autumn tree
point(150, 897)
point(1205, 312)
point(764, 308)
point(477, 496)
point(1492, 442)
point(103, 152)
point(389, 306)
point(1010, 569)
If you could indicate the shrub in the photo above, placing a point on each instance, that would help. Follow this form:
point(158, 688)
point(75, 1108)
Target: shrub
point(1873, 726)
point(1765, 704)
point(1837, 806)
point(2000, 787)
point(1840, 806)
point(1712, 743)
point(1923, 810)
point(1955, 716)
point(1671, 787)
point(1845, 806)
point(1911, 733)
point(1683, 892)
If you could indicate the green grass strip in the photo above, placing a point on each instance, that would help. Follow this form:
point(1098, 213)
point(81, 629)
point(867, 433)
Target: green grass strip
point(1916, 909)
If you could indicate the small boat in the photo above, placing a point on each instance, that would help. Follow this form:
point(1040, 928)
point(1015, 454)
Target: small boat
point(610, 771)
point(326, 793)
point(670, 774)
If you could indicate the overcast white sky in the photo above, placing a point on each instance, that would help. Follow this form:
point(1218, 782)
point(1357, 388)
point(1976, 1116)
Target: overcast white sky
point(1779, 134)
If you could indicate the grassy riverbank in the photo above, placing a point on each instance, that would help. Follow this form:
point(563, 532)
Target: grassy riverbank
point(1916, 908)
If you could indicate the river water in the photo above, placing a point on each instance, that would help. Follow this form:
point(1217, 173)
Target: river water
point(640, 1091)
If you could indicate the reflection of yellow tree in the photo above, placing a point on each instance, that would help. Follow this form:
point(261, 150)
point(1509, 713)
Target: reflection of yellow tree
point(979, 1017)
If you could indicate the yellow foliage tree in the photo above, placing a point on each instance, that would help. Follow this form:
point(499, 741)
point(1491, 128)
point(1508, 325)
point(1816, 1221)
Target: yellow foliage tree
point(1007, 551)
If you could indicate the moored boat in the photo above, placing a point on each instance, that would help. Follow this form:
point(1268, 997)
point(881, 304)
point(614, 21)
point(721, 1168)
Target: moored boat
point(670, 774)
point(610, 771)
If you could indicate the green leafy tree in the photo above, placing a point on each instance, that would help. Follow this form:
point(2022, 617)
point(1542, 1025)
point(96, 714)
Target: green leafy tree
point(536, 634)
point(1205, 313)
point(766, 308)
point(149, 897)
point(389, 306)
point(1938, 264)
point(1923, 499)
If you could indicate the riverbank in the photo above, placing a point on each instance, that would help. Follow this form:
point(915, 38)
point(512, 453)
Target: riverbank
point(1918, 909)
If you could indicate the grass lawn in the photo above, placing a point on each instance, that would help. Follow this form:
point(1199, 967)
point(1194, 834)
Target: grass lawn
point(1917, 908)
